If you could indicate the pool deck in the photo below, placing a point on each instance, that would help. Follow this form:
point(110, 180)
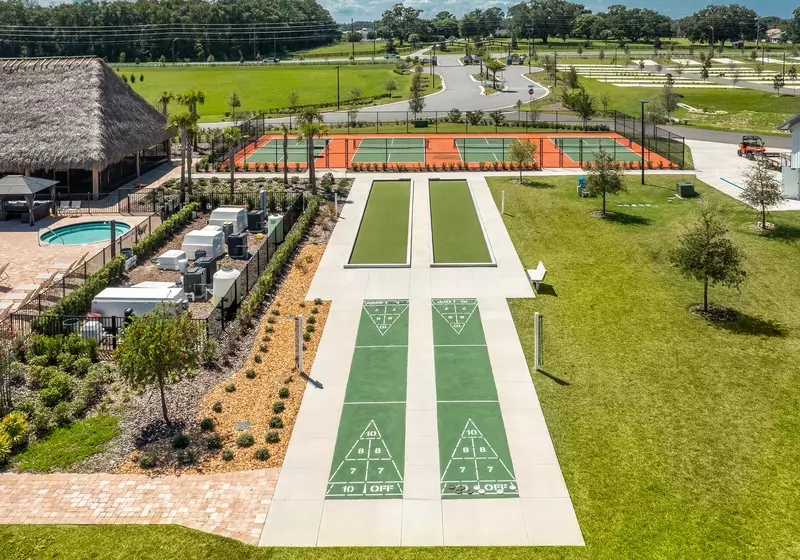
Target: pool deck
point(19, 246)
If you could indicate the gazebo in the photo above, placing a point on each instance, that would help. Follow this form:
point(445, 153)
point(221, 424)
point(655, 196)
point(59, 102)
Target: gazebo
point(27, 187)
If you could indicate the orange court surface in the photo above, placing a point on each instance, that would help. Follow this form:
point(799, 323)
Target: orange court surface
point(431, 151)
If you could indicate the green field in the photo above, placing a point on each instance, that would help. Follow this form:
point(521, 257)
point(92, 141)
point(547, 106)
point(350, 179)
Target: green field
point(677, 438)
point(261, 88)
point(455, 225)
point(383, 235)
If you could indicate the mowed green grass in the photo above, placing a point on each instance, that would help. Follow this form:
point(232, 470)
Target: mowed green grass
point(383, 234)
point(456, 229)
point(677, 438)
point(68, 445)
point(265, 87)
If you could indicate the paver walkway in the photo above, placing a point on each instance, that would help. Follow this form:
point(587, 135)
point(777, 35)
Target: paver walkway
point(230, 504)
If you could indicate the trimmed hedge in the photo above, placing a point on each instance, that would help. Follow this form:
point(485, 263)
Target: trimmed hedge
point(80, 299)
point(147, 246)
point(252, 304)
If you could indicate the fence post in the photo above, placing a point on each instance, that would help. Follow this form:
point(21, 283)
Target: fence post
point(537, 349)
point(406, 122)
point(436, 120)
point(299, 343)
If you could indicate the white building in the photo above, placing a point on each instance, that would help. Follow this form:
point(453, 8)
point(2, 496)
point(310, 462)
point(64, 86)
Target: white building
point(790, 164)
point(774, 35)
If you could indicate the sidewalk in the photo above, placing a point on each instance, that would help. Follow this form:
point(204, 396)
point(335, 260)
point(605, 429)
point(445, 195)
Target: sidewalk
point(231, 505)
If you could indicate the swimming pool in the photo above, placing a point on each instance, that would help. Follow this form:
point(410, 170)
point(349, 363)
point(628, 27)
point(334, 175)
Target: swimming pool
point(80, 234)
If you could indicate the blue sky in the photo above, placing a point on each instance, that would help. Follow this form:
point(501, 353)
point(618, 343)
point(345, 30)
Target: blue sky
point(342, 10)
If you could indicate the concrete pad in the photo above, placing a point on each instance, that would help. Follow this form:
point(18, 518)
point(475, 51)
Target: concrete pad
point(361, 523)
point(541, 481)
point(484, 522)
point(551, 522)
point(309, 452)
point(422, 523)
point(517, 396)
point(292, 523)
point(422, 451)
point(421, 482)
point(302, 483)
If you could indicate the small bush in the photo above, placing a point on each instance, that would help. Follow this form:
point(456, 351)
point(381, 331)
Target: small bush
point(270, 329)
point(42, 421)
point(39, 376)
point(310, 328)
point(63, 414)
point(270, 320)
point(250, 373)
point(185, 458)
point(257, 358)
point(81, 366)
point(227, 455)
point(306, 336)
point(273, 437)
point(230, 388)
point(263, 348)
point(217, 407)
point(314, 310)
point(311, 320)
point(276, 312)
point(278, 407)
point(65, 361)
point(181, 441)
point(245, 440)
point(214, 442)
point(267, 338)
point(276, 422)
point(147, 461)
point(283, 393)
point(261, 454)
point(318, 301)
point(207, 424)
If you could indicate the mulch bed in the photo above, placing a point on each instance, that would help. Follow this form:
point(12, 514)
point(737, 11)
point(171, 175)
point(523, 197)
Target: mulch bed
point(715, 313)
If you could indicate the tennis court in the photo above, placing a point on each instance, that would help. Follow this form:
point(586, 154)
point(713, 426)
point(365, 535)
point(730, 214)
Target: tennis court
point(389, 150)
point(583, 149)
point(486, 150)
point(272, 151)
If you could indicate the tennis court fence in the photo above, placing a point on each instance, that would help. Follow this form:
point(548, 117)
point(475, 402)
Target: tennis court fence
point(656, 139)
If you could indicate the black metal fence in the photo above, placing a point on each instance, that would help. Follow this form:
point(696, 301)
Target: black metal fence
point(656, 139)
point(122, 201)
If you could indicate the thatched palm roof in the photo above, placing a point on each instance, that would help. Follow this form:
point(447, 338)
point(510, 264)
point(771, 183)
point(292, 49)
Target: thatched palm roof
point(70, 113)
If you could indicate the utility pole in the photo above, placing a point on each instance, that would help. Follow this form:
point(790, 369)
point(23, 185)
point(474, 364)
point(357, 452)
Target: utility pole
point(352, 42)
point(555, 69)
point(338, 98)
point(642, 101)
point(433, 61)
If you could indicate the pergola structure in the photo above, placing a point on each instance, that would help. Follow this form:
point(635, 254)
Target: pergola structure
point(26, 187)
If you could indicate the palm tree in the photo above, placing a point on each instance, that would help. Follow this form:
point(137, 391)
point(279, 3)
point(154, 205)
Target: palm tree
point(309, 123)
point(186, 124)
point(495, 65)
point(232, 136)
point(285, 130)
point(191, 99)
point(163, 101)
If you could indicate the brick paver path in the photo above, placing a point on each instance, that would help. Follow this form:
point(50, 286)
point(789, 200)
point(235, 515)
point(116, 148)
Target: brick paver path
point(229, 504)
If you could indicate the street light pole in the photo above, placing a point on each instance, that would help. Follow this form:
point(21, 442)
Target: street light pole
point(433, 61)
point(642, 101)
point(338, 97)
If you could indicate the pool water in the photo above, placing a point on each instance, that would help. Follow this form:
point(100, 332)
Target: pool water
point(80, 234)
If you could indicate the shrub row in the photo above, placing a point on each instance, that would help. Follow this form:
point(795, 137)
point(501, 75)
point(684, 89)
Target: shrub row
point(80, 299)
point(265, 282)
point(147, 246)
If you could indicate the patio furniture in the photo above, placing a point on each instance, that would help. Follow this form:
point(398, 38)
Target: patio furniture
point(3, 273)
point(25, 287)
point(77, 207)
point(537, 275)
point(64, 208)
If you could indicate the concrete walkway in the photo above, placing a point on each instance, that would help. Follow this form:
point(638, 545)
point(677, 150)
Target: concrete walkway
point(300, 514)
point(230, 504)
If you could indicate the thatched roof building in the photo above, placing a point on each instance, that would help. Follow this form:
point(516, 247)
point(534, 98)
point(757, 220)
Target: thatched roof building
point(61, 114)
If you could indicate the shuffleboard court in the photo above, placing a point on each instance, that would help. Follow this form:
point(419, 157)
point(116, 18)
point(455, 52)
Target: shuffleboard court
point(474, 459)
point(384, 234)
point(272, 151)
point(486, 150)
point(582, 149)
point(368, 459)
point(389, 150)
point(456, 229)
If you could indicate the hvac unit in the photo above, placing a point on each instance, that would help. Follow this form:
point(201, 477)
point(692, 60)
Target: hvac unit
point(237, 246)
point(194, 281)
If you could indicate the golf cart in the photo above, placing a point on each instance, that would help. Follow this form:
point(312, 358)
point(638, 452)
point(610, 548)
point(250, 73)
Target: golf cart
point(751, 146)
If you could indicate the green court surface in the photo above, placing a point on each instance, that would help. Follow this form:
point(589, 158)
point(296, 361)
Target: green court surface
point(474, 459)
point(579, 149)
point(368, 459)
point(487, 150)
point(383, 236)
point(390, 150)
point(272, 151)
point(455, 226)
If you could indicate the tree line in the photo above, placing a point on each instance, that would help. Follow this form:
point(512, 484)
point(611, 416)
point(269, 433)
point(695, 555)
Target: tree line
point(158, 30)
point(545, 19)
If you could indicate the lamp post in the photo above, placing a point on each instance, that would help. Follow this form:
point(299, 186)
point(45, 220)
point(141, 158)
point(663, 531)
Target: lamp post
point(713, 41)
point(433, 61)
point(642, 101)
point(338, 97)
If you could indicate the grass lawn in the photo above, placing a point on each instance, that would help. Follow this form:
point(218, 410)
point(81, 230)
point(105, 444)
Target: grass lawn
point(677, 438)
point(455, 226)
point(261, 88)
point(383, 233)
point(68, 445)
point(749, 111)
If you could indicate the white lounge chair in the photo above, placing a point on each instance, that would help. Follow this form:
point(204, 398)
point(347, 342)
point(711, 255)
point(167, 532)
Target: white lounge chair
point(536, 275)
point(3, 273)
point(77, 207)
point(63, 207)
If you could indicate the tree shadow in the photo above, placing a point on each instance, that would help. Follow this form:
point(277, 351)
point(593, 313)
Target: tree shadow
point(552, 377)
point(628, 219)
point(782, 232)
point(546, 290)
point(156, 430)
point(537, 184)
point(750, 325)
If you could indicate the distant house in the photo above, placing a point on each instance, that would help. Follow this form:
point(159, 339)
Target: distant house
point(75, 121)
point(790, 166)
point(774, 35)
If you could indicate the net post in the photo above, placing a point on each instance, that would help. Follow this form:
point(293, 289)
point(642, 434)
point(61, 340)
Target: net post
point(299, 343)
point(502, 202)
point(537, 350)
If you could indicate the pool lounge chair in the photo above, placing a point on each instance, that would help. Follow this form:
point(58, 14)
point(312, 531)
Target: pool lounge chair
point(77, 207)
point(3, 273)
point(64, 208)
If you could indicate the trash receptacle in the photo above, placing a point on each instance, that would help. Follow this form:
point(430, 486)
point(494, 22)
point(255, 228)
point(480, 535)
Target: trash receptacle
point(684, 190)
